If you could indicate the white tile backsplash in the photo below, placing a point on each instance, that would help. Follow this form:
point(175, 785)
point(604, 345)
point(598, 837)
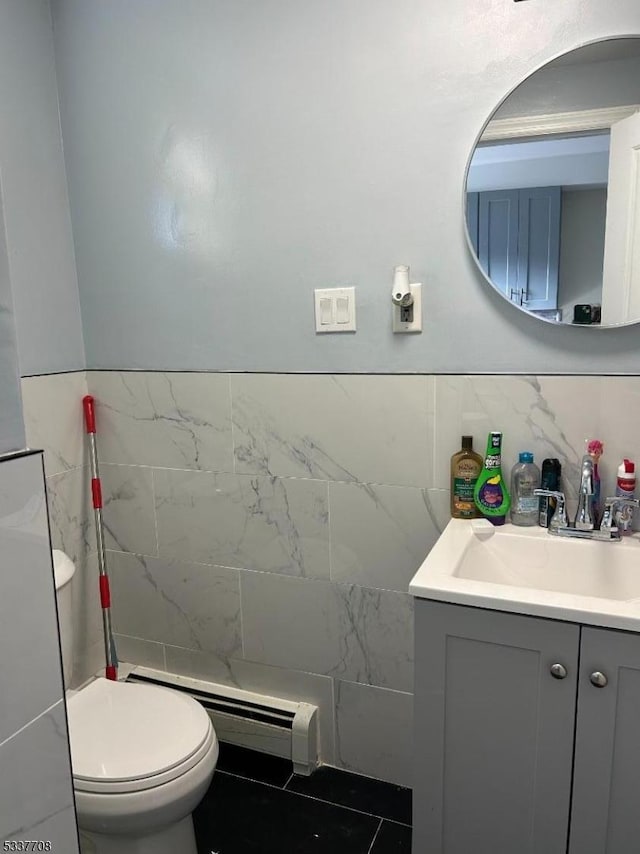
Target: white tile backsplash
point(337, 630)
point(71, 513)
point(379, 534)
point(129, 517)
point(374, 732)
point(252, 522)
point(173, 420)
point(54, 420)
point(187, 605)
point(371, 429)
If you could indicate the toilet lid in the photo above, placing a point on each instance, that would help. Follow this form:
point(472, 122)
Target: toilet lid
point(127, 735)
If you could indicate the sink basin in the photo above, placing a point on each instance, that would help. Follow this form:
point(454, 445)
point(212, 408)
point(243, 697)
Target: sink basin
point(526, 570)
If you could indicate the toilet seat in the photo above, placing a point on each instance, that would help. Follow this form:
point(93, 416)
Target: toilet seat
point(128, 737)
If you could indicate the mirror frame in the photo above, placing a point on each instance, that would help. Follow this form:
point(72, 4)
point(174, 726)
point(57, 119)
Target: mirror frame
point(603, 111)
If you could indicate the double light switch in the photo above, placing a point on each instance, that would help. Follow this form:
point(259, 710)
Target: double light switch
point(335, 309)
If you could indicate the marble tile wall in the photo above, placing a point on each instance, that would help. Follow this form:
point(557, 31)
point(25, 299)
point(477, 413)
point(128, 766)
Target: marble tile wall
point(52, 406)
point(36, 791)
point(263, 528)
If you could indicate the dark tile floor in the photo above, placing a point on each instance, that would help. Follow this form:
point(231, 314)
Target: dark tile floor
point(255, 805)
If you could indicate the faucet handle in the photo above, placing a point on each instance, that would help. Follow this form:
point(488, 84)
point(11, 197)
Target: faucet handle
point(559, 518)
point(609, 520)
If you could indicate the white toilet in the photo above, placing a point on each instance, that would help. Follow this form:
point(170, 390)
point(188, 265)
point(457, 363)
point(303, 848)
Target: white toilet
point(142, 755)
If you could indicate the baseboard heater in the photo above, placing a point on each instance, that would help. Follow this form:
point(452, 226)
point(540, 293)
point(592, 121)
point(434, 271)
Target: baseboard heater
point(269, 724)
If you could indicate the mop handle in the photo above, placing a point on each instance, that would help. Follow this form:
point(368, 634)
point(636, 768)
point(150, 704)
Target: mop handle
point(111, 670)
point(89, 413)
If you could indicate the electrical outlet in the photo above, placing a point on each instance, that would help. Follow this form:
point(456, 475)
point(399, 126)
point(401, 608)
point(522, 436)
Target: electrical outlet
point(409, 318)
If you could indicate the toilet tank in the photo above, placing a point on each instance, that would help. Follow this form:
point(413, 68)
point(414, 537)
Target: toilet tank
point(63, 569)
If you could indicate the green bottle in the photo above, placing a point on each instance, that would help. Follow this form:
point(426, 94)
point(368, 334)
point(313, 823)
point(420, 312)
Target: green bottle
point(490, 494)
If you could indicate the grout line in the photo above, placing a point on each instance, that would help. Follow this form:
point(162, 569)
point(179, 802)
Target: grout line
point(399, 823)
point(155, 515)
point(308, 797)
point(431, 476)
point(328, 485)
point(334, 720)
point(340, 373)
point(240, 598)
point(233, 435)
point(375, 836)
point(32, 721)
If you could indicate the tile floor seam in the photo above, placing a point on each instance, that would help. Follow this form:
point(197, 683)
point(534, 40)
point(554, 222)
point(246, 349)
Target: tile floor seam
point(253, 780)
point(291, 776)
point(375, 836)
point(396, 821)
point(309, 797)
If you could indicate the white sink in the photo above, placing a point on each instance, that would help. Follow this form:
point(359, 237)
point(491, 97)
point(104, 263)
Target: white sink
point(526, 570)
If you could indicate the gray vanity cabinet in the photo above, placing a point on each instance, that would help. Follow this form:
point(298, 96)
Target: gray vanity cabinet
point(527, 734)
point(494, 731)
point(605, 813)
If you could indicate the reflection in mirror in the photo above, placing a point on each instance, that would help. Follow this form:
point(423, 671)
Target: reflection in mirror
point(553, 189)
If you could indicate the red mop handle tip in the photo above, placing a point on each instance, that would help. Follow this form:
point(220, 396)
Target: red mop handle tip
point(89, 413)
point(111, 672)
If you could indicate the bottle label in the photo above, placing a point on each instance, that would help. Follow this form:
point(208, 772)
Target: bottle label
point(491, 495)
point(625, 488)
point(527, 504)
point(463, 495)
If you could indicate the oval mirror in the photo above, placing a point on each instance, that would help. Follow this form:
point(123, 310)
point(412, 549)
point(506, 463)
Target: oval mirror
point(552, 189)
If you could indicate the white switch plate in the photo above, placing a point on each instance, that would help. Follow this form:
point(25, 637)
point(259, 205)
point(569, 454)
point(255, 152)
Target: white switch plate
point(416, 324)
point(335, 309)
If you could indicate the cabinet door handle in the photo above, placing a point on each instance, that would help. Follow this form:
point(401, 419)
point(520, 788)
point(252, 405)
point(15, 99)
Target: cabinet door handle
point(558, 671)
point(598, 679)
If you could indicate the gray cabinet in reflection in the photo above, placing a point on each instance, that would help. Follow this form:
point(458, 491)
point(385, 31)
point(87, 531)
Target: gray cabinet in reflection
point(527, 735)
point(516, 237)
point(494, 731)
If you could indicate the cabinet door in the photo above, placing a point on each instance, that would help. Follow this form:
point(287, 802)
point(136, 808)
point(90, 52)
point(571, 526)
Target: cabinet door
point(605, 813)
point(498, 238)
point(539, 246)
point(493, 731)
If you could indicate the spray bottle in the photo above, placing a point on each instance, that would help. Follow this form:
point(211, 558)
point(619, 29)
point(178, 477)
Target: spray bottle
point(626, 488)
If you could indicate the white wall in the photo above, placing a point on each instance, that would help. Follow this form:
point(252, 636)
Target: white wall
point(36, 207)
point(580, 86)
point(225, 159)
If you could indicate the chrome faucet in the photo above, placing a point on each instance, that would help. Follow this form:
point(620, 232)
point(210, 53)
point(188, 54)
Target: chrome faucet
point(608, 531)
point(585, 520)
point(584, 525)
